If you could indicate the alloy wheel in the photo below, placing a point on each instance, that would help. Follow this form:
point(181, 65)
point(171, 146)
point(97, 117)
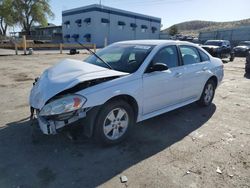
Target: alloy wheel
point(116, 123)
point(209, 92)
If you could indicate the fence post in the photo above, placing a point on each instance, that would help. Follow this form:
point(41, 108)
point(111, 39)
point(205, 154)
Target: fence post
point(16, 49)
point(61, 48)
point(105, 41)
point(24, 44)
point(94, 46)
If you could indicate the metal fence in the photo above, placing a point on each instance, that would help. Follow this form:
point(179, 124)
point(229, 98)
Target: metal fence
point(25, 44)
point(234, 35)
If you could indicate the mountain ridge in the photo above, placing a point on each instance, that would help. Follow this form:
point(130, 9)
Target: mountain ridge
point(195, 26)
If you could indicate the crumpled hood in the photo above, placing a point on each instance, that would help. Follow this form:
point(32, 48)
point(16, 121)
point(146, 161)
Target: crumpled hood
point(64, 75)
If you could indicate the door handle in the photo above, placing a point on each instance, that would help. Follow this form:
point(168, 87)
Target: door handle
point(178, 74)
point(205, 68)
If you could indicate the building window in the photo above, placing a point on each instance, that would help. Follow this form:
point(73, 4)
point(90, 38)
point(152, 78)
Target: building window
point(67, 37)
point(121, 25)
point(79, 22)
point(75, 37)
point(105, 21)
point(154, 29)
point(144, 28)
point(87, 21)
point(87, 37)
point(67, 24)
point(133, 26)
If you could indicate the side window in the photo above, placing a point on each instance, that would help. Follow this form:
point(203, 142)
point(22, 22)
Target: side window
point(168, 56)
point(189, 55)
point(204, 56)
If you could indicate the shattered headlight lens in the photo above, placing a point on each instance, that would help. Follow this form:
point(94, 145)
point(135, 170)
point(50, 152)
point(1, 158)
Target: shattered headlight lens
point(63, 105)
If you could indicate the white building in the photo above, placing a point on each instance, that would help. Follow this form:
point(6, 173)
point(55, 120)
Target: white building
point(97, 24)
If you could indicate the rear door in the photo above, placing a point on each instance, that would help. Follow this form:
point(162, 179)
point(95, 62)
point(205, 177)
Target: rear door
point(196, 66)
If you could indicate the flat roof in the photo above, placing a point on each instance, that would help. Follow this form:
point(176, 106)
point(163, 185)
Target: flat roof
point(156, 42)
point(105, 9)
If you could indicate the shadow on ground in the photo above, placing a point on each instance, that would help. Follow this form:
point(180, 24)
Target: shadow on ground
point(57, 162)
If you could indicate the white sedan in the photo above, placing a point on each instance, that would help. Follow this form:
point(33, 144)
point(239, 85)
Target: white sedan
point(124, 83)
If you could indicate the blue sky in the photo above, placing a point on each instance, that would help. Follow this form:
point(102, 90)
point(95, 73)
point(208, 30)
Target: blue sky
point(171, 11)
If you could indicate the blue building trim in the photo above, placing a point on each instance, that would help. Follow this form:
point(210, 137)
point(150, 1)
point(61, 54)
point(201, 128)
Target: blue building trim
point(74, 12)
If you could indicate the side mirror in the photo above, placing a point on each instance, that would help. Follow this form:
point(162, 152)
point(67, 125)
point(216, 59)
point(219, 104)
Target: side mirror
point(158, 67)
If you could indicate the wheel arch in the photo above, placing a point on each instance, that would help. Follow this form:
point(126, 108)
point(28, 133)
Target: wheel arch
point(90, 121)
point(214, 79)
point(129, 99)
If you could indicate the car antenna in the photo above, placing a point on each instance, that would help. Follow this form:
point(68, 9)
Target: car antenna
point(93, 53)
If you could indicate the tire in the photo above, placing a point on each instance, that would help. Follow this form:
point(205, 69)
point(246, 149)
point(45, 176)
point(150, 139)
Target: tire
point(231, 57)
point(207, 94)
point(247, 70)
point(117, 126)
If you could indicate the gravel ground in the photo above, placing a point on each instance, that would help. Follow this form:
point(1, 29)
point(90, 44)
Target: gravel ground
point(182, 148)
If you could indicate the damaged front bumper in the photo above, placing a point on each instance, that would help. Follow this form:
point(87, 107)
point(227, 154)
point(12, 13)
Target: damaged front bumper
point(50, 126)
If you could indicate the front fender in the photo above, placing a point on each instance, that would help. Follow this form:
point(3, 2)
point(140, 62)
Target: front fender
point(98, 96)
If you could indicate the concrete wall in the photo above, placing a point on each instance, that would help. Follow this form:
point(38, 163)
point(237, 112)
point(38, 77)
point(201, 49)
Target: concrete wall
point(235, 35)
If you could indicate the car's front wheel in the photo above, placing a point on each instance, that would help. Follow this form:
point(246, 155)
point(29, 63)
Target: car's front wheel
point(207, 94)
point(114, 122)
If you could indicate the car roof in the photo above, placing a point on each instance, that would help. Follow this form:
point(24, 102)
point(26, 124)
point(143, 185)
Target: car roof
point(217, 40)
point(156, 42)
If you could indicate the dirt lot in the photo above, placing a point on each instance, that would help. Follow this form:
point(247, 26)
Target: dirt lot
point(182, 148)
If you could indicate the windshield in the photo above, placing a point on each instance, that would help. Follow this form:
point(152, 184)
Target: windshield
point(122, 57)
point(213, 43)
point(244, 44)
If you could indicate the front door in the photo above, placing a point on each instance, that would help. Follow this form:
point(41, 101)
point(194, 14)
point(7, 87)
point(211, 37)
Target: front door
point(163, 88)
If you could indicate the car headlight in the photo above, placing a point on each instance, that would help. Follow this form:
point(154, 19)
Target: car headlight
point(63, 105)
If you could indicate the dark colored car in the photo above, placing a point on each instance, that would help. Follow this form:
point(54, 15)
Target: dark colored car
point(242, 49)
point(247, 67)
point(219, 48)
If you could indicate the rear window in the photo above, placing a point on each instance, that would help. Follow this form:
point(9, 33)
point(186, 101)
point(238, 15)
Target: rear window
point(204, 56)
point(214, 43)
point(244, 44)
point(189, 55)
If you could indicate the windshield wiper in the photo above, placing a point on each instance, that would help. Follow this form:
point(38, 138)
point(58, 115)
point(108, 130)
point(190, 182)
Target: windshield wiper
point(98, 57)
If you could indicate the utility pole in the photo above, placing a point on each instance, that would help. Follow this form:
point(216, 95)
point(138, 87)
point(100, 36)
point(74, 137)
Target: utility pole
point(100, 2)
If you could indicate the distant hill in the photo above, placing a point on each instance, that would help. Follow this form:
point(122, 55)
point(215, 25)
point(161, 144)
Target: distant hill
point(196, 26)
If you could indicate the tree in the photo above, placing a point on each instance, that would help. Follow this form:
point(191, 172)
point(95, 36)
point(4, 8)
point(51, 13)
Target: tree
point(7, 15)
point(32, 12)
point(173, 30)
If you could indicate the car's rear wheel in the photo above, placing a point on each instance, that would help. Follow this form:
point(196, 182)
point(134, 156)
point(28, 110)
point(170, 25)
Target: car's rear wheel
point(232, 56)
point(247, 70)
point(114, 122)
point(207, 94)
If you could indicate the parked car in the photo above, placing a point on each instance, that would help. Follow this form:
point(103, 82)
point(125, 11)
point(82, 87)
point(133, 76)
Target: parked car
point(247, 66)
point(242, 49)
point(124, 83)
point(219, 48)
